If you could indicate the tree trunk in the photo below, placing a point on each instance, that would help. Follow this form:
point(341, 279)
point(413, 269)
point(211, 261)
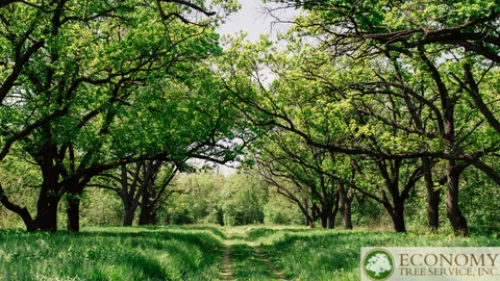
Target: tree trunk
point(146, 208)
point(433, 196)
point(455, 216)
point(129, 204)
point(307, 222)
point(129, 212)
point(331, 220)
point(398, 218)
point(145, 215)
point(73, 198)
point(346, 211)
point(345, 206)
point(305, 212)
point(73, 212)
point(48, 201)
point(153, 218)
point(433, 200)
point(46, 219)
point(323, 217)
point(333, 214)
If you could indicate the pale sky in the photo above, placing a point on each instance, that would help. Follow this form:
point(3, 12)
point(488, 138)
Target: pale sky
point(254, 19)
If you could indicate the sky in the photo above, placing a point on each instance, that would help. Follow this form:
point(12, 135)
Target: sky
point(254, 19)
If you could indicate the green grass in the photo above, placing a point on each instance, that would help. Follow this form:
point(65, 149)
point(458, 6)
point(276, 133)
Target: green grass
point(114, 253)
point(246, 265)
point(334, 255)
point(196, 252)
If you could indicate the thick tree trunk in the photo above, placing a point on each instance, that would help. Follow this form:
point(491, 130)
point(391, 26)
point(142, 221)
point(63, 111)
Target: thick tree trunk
point(324, 219)
point(73, 212)
point(333, 214)
point(398, 218)
point(433, 200)
point(145, 217)
point(50, 194)
point(146, 208)
point(128, 218)
point(48, 200)
point(153, 218)
point(75, 191)
point(127, 199)
point(433, 196)
point(455, 216)
point(399, 223)
point(46, 219)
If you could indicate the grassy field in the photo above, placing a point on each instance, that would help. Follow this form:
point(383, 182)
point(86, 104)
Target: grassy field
point(305, 254)
point(126, 254)
point(198, 253)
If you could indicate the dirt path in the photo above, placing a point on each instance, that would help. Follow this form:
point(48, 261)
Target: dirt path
point(243, 261)
point(227, 273)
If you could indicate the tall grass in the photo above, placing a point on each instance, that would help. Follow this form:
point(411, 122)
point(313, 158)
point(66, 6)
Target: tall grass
point(334, 255)
point(121, 254)
point(196, 252)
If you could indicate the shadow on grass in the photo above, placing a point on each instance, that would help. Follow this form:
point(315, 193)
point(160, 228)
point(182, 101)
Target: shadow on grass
point(150, 267)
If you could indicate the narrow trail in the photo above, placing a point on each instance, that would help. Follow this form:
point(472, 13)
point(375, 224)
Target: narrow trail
point(243, 260)
point(227, 273)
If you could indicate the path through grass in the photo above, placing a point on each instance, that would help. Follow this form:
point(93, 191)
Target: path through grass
point(247, 263)
point(201, 253)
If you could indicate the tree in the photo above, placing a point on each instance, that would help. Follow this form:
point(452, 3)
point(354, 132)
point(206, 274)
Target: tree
point(285, 161)
point(412, 118)
point(296, 196)
point(107, 83)
point(242, 199)
point(137, 185)
point(37, 26)
point(156, 193)
point(461, 35)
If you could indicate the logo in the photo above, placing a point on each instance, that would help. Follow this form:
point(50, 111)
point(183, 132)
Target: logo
point(430, 264)
point(378, 265)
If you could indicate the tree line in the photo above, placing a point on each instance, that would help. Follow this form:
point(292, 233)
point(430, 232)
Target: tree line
point(370, 99)
point(90, 87)
point(373, 98)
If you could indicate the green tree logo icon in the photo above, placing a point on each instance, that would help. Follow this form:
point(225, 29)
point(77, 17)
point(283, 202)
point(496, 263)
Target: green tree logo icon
point(378, 265)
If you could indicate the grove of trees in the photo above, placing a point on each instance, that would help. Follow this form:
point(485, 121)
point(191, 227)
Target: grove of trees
point(403, 92)
point(361, 108)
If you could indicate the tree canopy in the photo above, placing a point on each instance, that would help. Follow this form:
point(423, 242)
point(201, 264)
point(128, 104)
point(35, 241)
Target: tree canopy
point(387, 101)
